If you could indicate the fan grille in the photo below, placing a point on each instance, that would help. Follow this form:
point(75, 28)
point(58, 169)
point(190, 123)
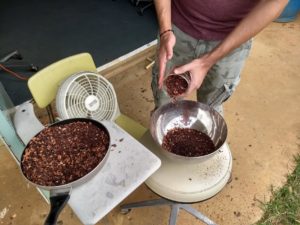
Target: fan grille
point(87, 94)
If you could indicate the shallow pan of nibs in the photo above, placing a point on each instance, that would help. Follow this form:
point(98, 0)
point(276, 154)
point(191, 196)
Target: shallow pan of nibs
point(188, 131)
point(64, 155)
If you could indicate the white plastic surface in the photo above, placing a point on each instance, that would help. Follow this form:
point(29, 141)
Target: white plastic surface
point(26, 123)
point(185, 182)
point(128, 166)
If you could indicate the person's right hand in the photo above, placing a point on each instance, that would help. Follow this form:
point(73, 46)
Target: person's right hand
point(167, 42)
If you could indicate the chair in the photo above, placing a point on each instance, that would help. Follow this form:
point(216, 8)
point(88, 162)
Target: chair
point(55, 73)
point(43, 86)
point(15, 55)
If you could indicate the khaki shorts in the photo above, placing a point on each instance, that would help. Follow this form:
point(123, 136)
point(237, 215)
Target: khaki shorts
point(220, 81)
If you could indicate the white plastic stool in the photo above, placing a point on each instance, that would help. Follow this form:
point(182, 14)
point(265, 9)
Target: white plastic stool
point(180, 183)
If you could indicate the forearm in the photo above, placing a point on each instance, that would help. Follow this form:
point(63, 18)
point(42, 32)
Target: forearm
point(264, 13)
point(163, 11)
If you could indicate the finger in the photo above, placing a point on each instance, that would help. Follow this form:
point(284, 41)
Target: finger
point(191, 89)
point(162, 68)
point(169, 53)
point(183, 69)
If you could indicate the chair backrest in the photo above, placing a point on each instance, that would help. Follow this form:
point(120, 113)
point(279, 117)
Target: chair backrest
point(44, 84)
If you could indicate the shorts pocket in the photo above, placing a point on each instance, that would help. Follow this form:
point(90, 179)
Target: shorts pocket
point(221, 95)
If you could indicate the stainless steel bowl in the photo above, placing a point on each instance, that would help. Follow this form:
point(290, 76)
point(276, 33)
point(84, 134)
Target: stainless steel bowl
point(188, 114)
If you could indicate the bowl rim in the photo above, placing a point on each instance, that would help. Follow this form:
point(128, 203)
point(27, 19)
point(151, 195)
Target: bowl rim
point(181, 158)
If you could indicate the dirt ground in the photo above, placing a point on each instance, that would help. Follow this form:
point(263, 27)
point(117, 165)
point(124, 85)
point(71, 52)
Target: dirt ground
point(264, 134)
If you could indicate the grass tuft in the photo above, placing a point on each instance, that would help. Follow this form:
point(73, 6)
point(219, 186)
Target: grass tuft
point(284, 205)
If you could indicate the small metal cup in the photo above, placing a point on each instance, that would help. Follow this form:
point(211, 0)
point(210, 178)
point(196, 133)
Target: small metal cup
point(186, 76)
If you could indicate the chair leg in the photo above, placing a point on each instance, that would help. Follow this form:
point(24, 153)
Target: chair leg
point(175, 207)
point(174, 213)
point(197, 214)
point(161, 201)
point(12, 55)
point(50, 114)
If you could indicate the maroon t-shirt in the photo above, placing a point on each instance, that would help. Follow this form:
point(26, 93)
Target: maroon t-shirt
point(209, 19)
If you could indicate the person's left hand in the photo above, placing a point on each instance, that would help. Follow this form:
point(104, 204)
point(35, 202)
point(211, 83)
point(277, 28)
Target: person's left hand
point(198, 69)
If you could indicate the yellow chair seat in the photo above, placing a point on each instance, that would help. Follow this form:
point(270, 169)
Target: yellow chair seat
point(132, 127)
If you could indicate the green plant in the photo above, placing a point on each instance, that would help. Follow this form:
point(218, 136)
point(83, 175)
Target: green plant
point(284, 205)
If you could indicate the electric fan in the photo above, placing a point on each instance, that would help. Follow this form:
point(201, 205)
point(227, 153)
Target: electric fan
point(87, 94)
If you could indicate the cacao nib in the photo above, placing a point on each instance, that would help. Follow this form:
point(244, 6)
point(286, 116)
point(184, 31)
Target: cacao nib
point(64, 153)
point(176, 85)
point(188, 142)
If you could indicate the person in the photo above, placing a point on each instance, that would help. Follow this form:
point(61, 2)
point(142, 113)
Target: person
point(211, 39)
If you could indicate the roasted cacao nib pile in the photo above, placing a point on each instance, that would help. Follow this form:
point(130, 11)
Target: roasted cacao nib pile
point(64, 153)
point(188, 142)
point(175, 85)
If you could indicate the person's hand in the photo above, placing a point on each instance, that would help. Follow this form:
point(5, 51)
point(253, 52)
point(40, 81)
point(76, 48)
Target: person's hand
point(167, 42)
point(198, 69)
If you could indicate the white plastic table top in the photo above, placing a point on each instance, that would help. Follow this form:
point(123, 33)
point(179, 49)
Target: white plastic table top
point(189, 182)
point(128, 166)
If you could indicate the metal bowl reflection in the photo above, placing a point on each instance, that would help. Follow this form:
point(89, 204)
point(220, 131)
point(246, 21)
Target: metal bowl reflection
point(188, 114)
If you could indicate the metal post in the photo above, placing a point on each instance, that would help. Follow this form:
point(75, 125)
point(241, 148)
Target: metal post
point(175, 207)
point(197, 214)
point(161, 201)
point(174, 213)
